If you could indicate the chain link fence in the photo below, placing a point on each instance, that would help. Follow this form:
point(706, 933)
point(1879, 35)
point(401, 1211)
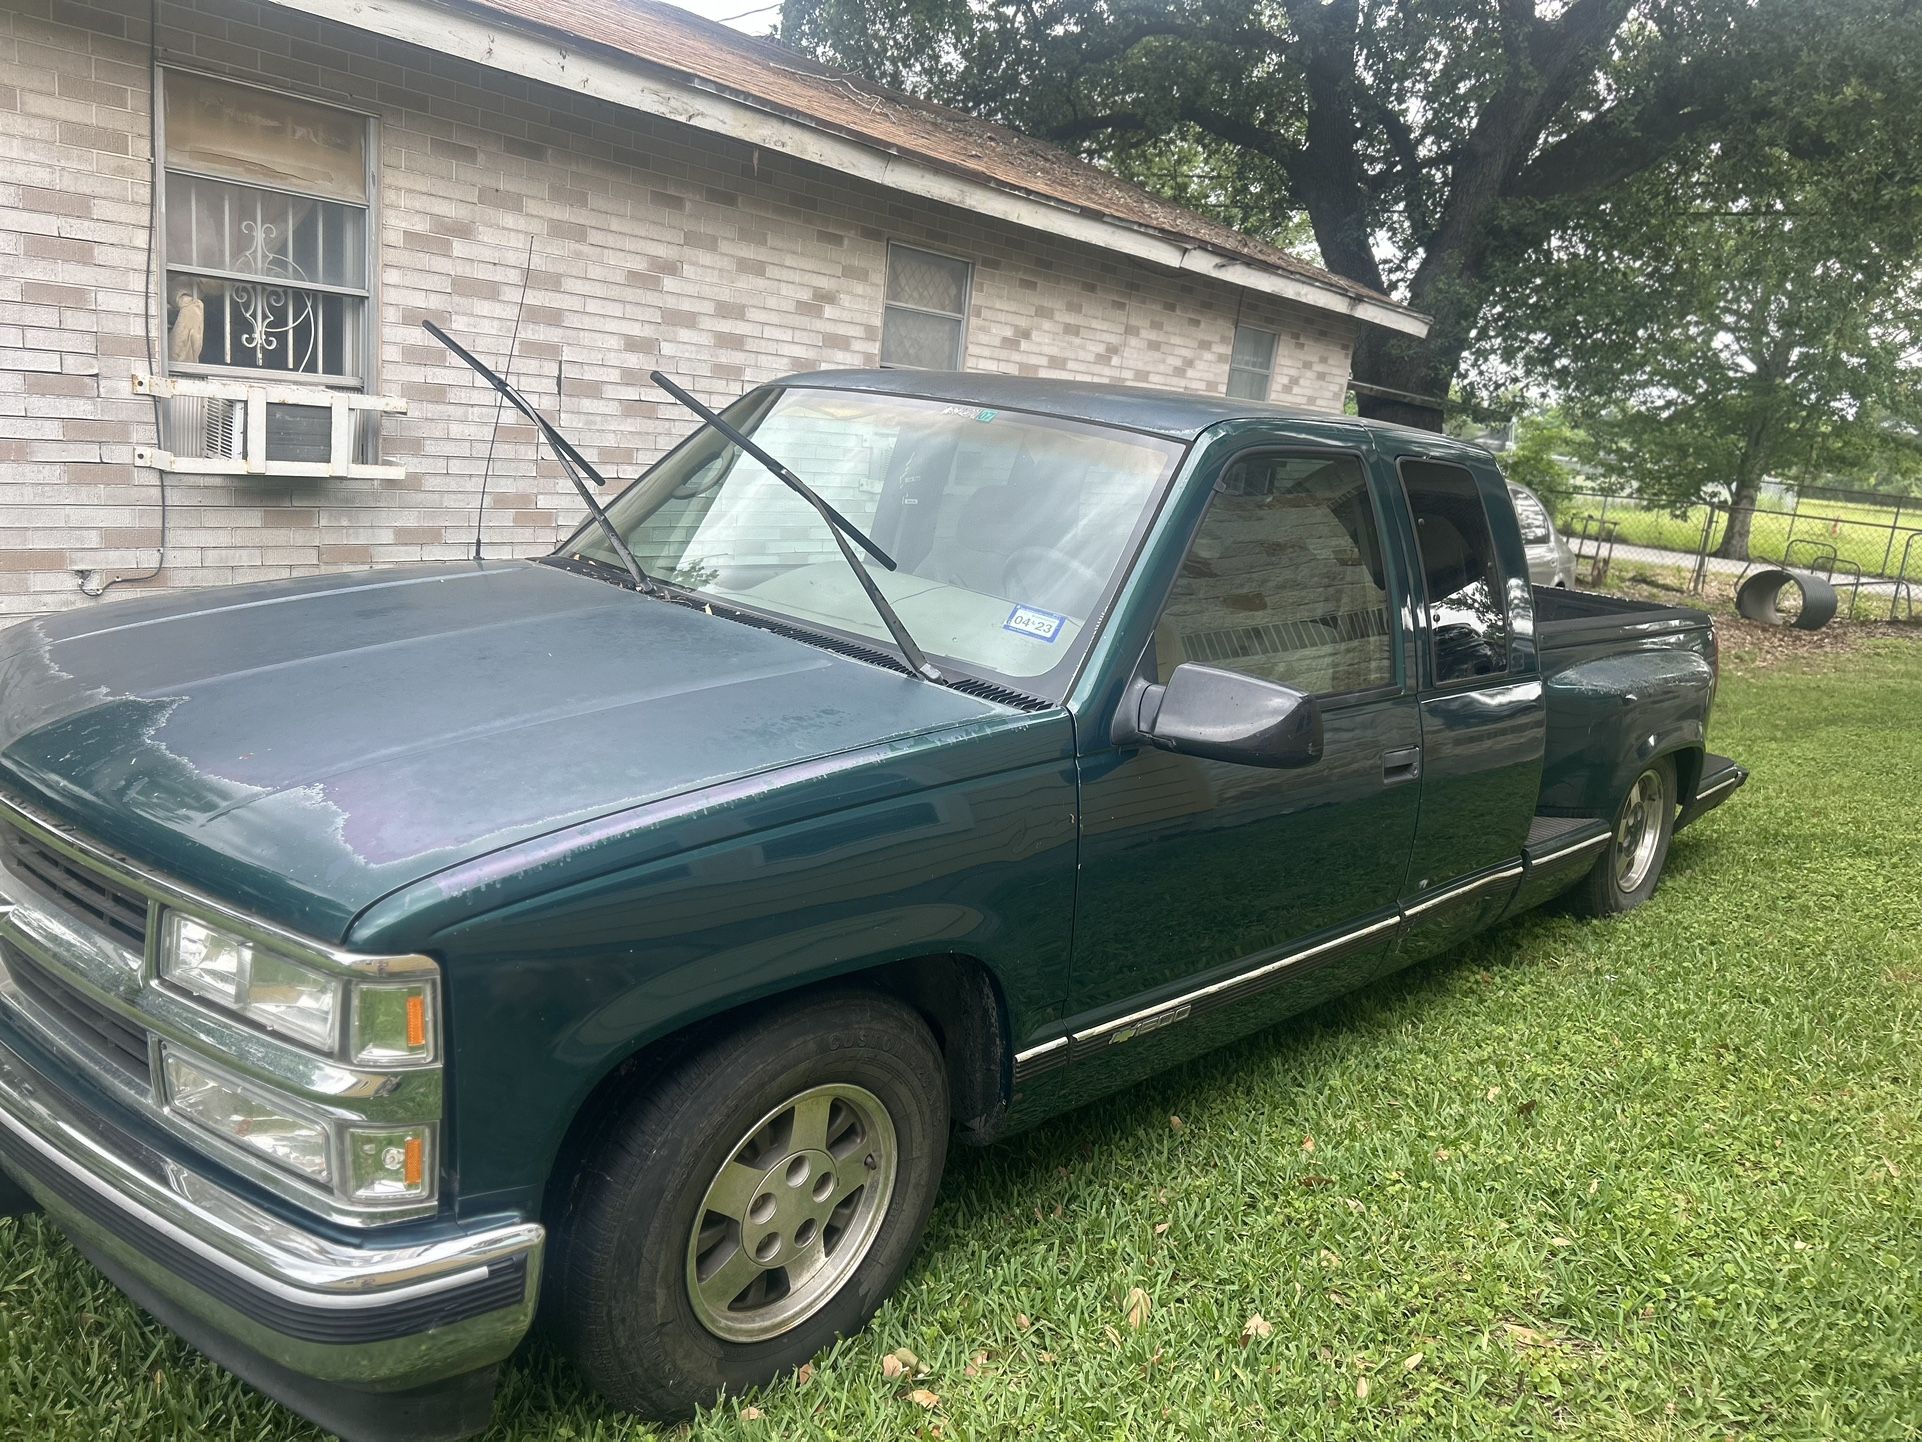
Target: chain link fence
point(1868, 546)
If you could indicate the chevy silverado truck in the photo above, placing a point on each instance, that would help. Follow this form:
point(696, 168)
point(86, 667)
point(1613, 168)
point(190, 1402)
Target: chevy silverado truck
point(623, 934)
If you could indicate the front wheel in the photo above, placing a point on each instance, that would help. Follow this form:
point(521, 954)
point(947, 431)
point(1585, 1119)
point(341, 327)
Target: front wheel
point(1631, 866)
point(756, 1204)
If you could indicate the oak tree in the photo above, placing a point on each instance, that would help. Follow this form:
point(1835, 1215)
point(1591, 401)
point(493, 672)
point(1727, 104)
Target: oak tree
point(1434, 146)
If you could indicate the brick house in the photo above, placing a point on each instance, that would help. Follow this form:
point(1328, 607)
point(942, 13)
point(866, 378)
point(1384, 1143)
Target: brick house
point(222, 231)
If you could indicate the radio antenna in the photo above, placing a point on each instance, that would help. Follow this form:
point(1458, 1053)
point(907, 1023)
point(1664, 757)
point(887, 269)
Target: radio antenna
point(513, 339)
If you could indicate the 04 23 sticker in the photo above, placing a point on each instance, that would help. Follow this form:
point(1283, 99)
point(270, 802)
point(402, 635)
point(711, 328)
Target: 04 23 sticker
point(1033, 621)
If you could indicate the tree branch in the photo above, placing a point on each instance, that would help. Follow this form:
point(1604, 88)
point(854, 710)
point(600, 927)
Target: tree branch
point(1408, 172)
point(1623, 140)
point(1114, 122)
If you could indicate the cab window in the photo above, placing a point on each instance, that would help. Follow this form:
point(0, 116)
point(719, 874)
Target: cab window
point(1462, 586)
point(1284, 579)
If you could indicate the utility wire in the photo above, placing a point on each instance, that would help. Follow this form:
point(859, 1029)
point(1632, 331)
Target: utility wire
point(147, 306)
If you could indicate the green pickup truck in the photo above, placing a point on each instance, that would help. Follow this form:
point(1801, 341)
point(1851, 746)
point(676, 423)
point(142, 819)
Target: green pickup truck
point(623, 934)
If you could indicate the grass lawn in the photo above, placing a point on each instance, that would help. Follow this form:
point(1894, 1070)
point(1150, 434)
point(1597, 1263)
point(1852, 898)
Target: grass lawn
point(1655, 1179)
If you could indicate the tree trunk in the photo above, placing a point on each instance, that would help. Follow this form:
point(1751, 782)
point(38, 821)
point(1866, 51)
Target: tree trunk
point(1404, 380)
point(1407, 380)
point(1741, 520)
point(1750, 468)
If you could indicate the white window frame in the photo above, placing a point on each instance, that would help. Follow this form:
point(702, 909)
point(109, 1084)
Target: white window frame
point(967, 304)
point(352, 402)
point(1267, 373)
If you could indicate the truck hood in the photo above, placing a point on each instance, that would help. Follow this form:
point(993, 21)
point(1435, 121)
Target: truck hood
point(300, 749)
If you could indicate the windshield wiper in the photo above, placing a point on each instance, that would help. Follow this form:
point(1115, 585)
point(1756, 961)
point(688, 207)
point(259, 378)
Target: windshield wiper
point(839, 526)
point(572, 461)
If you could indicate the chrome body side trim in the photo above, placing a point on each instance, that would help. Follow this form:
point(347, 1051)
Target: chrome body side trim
point(1035, 1060)
point(1462, 890)
point(1588, 843)
point(1707, 798)
point(1734, 780)
point(1253, 976)
point(1163, 1013)
point(1241, 978)
point(1035, 1053)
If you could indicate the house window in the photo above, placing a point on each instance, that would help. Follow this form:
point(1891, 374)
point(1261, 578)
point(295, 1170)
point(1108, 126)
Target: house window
point(265, 234)
point(924, 323)
point(1251, 365)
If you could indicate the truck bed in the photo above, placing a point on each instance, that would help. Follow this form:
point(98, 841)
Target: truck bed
point(1577, 621)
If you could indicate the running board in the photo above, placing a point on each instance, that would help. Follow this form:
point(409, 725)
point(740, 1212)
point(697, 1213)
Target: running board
point(1721, 778)
point(1559, 851)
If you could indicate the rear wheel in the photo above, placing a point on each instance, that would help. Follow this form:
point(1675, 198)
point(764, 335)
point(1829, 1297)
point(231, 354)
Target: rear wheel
point(757, 1203)
point(1630, 867)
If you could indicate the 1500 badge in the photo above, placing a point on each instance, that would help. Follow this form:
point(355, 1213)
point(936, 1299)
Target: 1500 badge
point(1150, 1023)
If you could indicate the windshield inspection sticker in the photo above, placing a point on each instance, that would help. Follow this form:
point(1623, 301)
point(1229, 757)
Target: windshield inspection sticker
point(1030, 621)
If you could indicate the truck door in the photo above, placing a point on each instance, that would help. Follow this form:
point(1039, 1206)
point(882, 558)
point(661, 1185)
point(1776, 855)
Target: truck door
point(1482, 714)
point(1215, 896)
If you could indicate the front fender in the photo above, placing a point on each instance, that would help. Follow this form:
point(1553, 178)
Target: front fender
point(966, 851)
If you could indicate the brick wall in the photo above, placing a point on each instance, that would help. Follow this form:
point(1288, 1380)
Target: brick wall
point(653, 244)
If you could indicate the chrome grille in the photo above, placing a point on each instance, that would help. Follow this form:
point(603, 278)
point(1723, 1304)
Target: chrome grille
point(116, 1041)
point(119, 912)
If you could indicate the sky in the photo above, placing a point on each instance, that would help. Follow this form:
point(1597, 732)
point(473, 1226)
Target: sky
point(741, 14)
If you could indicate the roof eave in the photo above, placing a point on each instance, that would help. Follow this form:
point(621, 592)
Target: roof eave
point(553, 56)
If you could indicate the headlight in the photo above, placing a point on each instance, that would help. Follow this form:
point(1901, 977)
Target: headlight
point(246, 1117)
point(382, 1164)
point(281, 995)
point(355, 1117)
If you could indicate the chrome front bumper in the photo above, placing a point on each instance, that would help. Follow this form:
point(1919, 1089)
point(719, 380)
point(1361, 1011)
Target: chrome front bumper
point(371, 1318)
point(377, 1332)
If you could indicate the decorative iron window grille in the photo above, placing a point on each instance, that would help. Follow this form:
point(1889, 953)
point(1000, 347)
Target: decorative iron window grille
point(237, 283)
point(265, 218)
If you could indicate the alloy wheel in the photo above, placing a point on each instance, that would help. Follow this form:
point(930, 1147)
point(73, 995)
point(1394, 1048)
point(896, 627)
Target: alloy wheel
point(1638, 830)
point(791, 1213)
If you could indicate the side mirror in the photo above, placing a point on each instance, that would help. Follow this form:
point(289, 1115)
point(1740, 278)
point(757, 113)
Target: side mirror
point(1222, 716)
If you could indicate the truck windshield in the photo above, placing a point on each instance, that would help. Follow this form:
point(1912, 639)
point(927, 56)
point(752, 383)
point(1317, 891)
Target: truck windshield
point(1010, 530)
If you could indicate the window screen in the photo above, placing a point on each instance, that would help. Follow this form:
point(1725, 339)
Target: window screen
point(1467, 624)
point(1251, 366)
point(924, 322)
point(1284, 580)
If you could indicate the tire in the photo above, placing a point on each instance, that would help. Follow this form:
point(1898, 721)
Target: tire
point(641, 1300)
point(1630, 868)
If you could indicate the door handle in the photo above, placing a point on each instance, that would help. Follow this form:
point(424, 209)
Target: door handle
point(1401, 765)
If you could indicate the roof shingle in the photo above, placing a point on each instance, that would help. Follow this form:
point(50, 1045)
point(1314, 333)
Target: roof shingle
point(769, 75)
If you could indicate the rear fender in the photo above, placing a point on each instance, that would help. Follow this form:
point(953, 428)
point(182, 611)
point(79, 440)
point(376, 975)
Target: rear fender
point(1609, 718)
